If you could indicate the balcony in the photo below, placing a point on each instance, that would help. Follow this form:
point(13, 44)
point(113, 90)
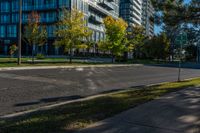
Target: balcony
point(106, 4)
point(95, 19)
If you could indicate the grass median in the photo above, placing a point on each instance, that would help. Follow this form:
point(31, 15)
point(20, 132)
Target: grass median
point(73, 116)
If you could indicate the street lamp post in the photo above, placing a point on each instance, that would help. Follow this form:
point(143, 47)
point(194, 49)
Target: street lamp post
point(20, 33)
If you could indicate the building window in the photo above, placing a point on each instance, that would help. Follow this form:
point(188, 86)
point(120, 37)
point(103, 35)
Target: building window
point(15, 6)
point(64, 3)
point(50, 31)
point(27, 4)
point(12, 31)
point(50, 3)
point(2, 31)
point(5, 18)
point(15, 18)
point(5, 6)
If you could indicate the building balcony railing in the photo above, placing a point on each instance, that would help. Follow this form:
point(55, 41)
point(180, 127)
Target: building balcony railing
point(100, 9)
point(137, 10)
point(106, 4)
point(95, 19)
point(135, 21)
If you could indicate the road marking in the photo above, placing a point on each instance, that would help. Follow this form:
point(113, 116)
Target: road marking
point(79, 69)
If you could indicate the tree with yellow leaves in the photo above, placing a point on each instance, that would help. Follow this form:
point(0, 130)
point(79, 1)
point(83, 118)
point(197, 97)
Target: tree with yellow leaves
point(72, 31)
point(34, 32)
point(115, 35)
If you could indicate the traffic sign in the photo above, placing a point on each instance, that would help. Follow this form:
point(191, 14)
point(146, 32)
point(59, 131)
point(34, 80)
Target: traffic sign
point(181, 39)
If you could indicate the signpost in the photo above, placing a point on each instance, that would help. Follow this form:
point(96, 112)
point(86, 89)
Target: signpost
point(181, 40)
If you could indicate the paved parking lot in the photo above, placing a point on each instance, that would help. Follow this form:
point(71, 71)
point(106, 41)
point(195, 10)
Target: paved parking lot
point(26, 89)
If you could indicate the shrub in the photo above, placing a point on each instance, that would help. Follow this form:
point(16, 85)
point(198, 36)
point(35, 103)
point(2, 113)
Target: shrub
point(40, 56)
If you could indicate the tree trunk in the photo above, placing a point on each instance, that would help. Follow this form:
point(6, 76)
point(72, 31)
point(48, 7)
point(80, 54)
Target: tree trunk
point(33, 53)
point(70, 56)
point(113, 58)
point(88, 51)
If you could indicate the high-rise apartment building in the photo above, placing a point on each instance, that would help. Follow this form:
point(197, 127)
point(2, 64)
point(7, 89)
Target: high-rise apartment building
point(131, 11)
point(138, 12)
point(148, 17)
point(94, 10)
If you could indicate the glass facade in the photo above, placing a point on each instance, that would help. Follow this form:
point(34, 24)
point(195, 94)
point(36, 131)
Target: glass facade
point(94, 10)
point(148, 17)
point(131, 11)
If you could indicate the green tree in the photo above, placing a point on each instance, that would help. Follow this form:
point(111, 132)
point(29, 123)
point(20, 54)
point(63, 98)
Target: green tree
point(71, 31)
point(12, 49)
point(115, 34)
point(173, 12)
point(192, 46)
point(34, 32)
point(191, 52)
point(157, 47)
point(175, 15)
point(136, 39)
point(90, 44)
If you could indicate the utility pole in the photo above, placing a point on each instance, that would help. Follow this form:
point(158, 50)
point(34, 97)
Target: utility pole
point(20, 33)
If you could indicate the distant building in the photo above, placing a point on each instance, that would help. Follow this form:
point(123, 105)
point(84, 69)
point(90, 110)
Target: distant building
point(138, 12)
point(94, 10)
point(131, 11)
point(148, 17)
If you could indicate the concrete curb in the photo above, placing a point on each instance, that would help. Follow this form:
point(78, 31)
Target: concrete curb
point(47, 107)
point(65, 67)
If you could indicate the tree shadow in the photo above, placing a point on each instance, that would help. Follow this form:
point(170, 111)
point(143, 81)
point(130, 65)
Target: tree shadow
point(50, 100)
point(176, 65)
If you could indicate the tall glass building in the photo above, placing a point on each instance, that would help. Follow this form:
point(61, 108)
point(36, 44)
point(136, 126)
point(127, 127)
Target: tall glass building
point(131, 11)
point(138, 12)
point(94, 10)
point(148, 17)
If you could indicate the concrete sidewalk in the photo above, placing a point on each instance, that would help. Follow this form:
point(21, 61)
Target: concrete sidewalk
point(178, 112)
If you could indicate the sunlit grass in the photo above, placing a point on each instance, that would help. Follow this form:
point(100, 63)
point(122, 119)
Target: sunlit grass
point(78, 115)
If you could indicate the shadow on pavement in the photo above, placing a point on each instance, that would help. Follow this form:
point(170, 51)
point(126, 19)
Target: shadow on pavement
point(177, 112)
point(49, 100)
point(176, 65)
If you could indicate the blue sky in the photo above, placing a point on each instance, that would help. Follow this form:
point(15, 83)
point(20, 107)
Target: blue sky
point(158, 29)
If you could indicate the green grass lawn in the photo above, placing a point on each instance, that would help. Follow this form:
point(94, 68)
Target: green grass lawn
point(78, 115)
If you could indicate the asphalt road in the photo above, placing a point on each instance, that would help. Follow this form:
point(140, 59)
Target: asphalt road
point(26, 89)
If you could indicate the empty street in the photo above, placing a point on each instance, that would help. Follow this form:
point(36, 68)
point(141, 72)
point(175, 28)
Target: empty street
point(27, 89)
